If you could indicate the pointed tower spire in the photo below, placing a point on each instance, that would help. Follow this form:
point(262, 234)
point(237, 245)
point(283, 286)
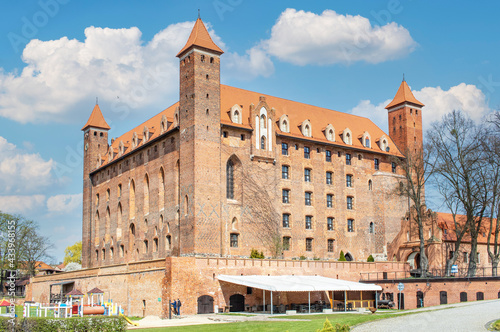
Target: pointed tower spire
point(96, 119)
point(403, 95)
point(199, 37)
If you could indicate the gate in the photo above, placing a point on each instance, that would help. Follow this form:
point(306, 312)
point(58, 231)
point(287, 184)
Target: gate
point(205, 304)
point(236, 303)
point(443, 297)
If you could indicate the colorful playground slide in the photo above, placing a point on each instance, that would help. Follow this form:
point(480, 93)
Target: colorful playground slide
point(128, 320)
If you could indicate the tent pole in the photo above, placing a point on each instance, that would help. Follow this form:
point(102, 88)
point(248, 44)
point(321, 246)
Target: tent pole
point(264, 299)
point(271, 302)
point(345, 301)
point(309, 293)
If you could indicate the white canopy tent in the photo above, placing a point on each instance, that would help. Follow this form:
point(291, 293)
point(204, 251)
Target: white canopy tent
point(299, 284)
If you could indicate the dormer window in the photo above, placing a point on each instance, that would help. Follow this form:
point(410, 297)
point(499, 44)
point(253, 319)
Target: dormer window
point(164, 124)
point(306, 128)
point(135, 140)
point(236, 114)
point(347, 136)
point(121, 148)
point(110, 153)
point(284, 123)
point(330, 133)
point(383, 143)
point(145, 134)
point(366, 140)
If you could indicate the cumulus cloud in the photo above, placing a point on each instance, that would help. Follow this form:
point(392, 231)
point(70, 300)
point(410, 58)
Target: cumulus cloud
point(64, 203)
point(438, 102)
point(22, 172)
point(305, 38)
point(256, 62)
point(21, 204)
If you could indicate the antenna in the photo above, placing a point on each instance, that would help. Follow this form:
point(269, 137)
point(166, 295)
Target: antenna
point(403, 77)
point(198, 12)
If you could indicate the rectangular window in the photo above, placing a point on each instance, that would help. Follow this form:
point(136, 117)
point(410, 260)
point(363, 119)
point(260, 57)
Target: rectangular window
point(286, 243)
point(308, 222)
point(347, 158)
point(329, 223)
point(329, 200)
point(234, 241)
point(309, 244)
point(284, 172)
point(393, 167)
point(348, 180)
point(286, 220)
point(307, 175)
point(307, 152)
point(284, 149)
point(329, 178)
point(376, 163)
point(350, 225)
point(466, 257)
point(286, 196)
point(328, 155)
point(308, 198)
point(349, 203)
point(330, 245)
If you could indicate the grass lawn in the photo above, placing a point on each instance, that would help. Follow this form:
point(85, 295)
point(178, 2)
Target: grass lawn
point(309, 323)
point(496, 325)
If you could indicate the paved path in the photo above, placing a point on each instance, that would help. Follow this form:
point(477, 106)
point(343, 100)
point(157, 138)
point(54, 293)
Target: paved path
point(467, 317)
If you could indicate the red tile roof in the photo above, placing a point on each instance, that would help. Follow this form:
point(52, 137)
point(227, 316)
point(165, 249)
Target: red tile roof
point(96, 120)
point(95, 291)
point(404, 94)
point(199, 37)
point(75, 292)
point(445, 221)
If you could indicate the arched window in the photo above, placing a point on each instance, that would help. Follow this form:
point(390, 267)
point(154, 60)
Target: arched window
point(96, 224)
point(330, 135)
point(263, 142)
point(370, 185)
point(230, 180)
point(119, 220)
point(131, 200)
point(372, 228)
point(234, 224)
point(107, 221)
point(146, 194)
point(307, 131)
point(168, 242)
point(161, 189)
point(348, 138)
point(263, 121)
point(186, 205)
point(236, 117)
point(284, 128)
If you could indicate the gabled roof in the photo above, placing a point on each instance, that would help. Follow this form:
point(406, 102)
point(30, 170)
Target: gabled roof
point(404, 94)
point(75, 292)
point(199, 37)
point(445, 222)
point(95, 291)
point(96, 120)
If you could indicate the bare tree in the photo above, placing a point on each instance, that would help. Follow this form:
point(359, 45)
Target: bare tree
point(460, 171)
point(417, 168)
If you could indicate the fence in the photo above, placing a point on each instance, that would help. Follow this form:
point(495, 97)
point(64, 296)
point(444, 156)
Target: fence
point(481, 272)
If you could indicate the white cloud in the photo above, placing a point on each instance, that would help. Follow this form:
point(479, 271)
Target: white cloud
point(21, 204)
point(256, 62)
point(64, 203)
point(305, 38)
point(438, 102)
point(22, 172)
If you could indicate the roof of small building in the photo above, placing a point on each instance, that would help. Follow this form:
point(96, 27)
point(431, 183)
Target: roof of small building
point(96, 120)
point(200, 37)
point(75, 292)
point(445, 222)
point(403, 95)
point(95, 291)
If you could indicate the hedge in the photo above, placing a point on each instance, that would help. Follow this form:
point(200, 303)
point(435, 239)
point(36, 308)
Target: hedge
point(74, 324)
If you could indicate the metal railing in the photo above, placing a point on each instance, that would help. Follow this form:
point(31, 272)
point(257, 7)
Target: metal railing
point(481, 272)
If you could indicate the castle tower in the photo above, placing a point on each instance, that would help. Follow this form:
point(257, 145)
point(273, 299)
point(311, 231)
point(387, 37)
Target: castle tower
point(405, 120)
point(199, 128)
point(95, 145)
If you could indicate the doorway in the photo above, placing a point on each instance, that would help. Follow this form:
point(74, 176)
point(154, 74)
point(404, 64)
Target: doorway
point(205, 304)
point(463, 297)
point(443, 297)
point(401, 300)
point(236, 303)
point(420, 299)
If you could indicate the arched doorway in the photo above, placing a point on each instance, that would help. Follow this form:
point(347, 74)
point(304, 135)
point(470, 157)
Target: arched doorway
point(205, 304)
point(479, 296)
point(414, 260)
point(443, 297)
point(420, 299)
point(348, 257)
point(463, 297)
point(401, 300)
point(236, 303)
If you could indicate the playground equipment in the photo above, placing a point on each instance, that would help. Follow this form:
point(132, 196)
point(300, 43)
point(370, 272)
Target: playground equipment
point(74, 306)
point(128, 320)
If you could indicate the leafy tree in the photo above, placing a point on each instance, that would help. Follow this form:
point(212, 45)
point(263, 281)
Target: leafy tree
point(370, 259)
point(342, 256)
point(73, 254)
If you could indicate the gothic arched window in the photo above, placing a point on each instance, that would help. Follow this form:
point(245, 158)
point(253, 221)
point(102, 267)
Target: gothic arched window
point(230, 180)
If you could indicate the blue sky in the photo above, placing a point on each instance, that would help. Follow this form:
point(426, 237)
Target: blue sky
point(57, 56)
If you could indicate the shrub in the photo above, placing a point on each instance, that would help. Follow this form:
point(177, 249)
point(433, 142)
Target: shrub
point(302, 258)
point(328, 327)
point(370, 259)
point(255, 254)
point(342, 256)
point(75, 324)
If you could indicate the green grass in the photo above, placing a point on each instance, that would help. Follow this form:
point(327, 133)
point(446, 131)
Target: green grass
point(235, 314)
point(308, 323)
